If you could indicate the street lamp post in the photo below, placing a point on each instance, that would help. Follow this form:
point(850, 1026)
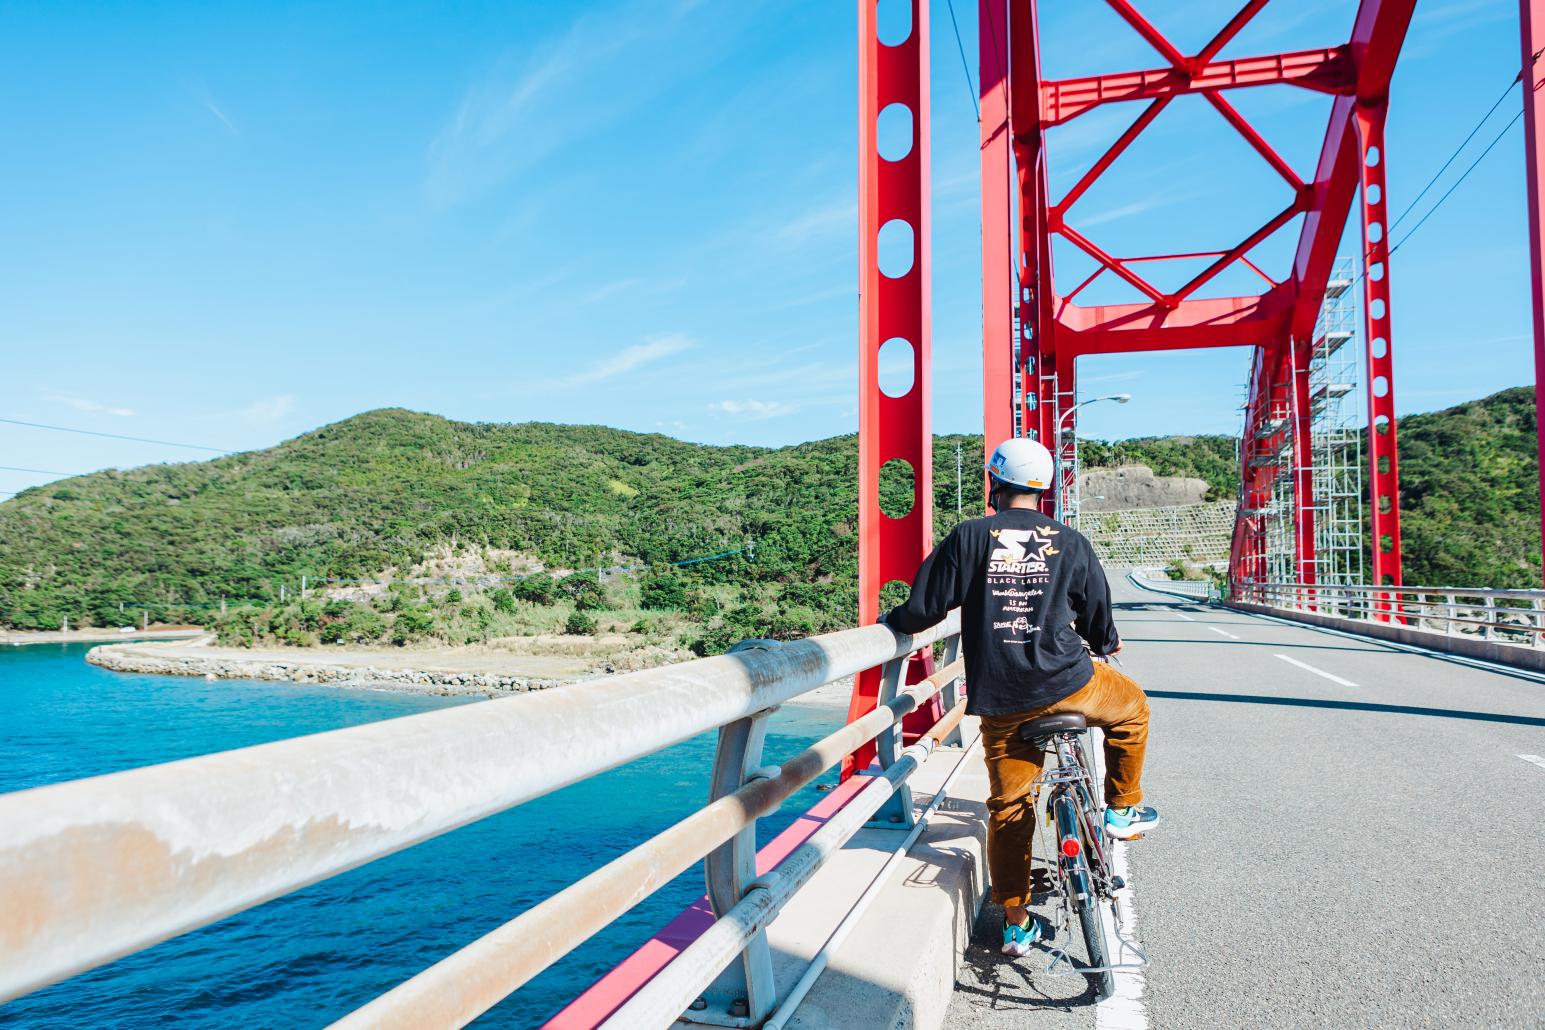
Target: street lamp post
point(1119, 398)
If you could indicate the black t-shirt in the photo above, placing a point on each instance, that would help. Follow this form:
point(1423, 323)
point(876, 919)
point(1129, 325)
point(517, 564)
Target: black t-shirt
point(1030, 592)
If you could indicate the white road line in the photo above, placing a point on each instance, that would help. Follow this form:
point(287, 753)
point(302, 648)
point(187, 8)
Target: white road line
point(1124, 1009)
point(1223, 632)
point(1183, 615)
point(1318, 672)
point(1534, 759)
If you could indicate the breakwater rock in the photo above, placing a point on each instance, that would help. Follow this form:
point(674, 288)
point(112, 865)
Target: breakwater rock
point(129, 658)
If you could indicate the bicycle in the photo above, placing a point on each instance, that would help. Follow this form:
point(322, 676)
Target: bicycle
point(1085, 881)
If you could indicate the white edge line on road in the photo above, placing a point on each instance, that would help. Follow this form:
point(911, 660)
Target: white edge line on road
point(1124, 1009)
point(1223, 632)
point(1318, 672)
point(1534, 760)
point(1183, 615)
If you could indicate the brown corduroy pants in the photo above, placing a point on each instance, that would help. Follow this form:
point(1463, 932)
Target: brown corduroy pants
point(1111, 700)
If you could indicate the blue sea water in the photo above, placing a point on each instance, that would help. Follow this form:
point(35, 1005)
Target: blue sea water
point(312, 956)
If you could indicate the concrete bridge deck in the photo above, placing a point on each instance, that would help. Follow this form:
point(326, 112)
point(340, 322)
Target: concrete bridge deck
point(1351, 838)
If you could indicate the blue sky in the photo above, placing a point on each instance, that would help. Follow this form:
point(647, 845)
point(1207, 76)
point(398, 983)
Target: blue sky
point(227, 224)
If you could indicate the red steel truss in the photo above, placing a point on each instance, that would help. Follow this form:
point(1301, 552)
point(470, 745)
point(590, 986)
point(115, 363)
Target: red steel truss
point(1033, 336)
point(1054, 330)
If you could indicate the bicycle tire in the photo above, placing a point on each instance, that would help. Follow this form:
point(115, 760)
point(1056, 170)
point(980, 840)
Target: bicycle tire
point(1094, 940)
point(1069, 824)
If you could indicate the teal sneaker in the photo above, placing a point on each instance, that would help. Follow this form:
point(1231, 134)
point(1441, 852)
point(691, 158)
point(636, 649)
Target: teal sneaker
point(1130, 822)
point(1017, 937)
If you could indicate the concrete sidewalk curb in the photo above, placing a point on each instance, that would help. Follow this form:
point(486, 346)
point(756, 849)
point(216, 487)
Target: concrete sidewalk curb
point(897, 969)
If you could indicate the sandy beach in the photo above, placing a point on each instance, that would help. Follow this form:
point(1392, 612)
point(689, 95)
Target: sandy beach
point(479, 671)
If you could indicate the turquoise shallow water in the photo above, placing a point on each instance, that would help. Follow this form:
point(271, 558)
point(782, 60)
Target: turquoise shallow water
point(305, 959)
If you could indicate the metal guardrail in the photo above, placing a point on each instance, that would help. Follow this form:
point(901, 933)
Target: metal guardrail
point(1502, 616)
point(1201, 589)
point(95, 869)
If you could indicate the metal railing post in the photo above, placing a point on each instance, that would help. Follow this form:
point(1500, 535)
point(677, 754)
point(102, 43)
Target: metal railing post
point(896, 813)
point(1488, 632)
point(745, 990)
point(950, 695)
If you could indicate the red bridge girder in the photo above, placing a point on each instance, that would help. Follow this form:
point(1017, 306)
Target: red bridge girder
point(1019, 105)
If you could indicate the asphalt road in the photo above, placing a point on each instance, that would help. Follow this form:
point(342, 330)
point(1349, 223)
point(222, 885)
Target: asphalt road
point(1355, 843)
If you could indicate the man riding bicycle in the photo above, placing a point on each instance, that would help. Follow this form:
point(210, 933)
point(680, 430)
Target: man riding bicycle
point(1034, 605)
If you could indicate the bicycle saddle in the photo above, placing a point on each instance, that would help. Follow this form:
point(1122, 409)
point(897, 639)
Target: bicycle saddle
point(1046, 725)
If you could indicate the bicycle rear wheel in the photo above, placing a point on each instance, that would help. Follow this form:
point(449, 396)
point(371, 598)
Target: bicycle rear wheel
point(1094, 941)
point(1086, 899)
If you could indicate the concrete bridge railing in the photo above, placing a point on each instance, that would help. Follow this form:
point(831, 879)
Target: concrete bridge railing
point(95, 869)
point(1505, 626)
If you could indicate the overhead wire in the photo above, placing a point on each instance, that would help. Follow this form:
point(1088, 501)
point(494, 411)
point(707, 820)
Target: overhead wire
point(114, 436)
point(965, 65)
point(1457, 151)
point(1457, 183)
point(40, 472)
point(1389, 232)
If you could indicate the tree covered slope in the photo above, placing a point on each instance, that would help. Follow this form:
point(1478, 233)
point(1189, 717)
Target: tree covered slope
point(381, 491)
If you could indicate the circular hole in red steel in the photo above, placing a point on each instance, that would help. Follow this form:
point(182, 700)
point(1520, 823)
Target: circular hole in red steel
point(893, 21)
point(1379, 346)
point(1373, 157)
point(1380, 386)
point(1376, 308)
point(896, 366)
point(893, 132)
point(894, 593)
point(894, 248)
point(1375, 194)
point(898, 488)
point(1375, 232)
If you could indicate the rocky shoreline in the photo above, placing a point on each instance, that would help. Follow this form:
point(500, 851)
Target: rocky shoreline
point(122, 658)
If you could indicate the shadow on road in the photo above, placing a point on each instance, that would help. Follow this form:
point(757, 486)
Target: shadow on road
point(1353, 706)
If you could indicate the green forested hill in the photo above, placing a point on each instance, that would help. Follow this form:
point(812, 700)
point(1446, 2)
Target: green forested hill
point(383, 490)
point(1469, 493)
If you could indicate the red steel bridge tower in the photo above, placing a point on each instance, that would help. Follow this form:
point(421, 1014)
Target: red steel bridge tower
point(1033, 335)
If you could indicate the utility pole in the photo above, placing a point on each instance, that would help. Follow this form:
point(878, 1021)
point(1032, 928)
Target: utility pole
point(144, 619)
point(302, 585)
point(957, 477)
point(65, 625)
point(222, 605)
point(281, 593)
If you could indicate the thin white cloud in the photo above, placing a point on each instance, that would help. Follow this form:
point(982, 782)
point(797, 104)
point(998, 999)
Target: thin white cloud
point(1115, 214)
point(225, 119)
point(91, 407)
point(821, 221)
point(754, 409)
point(270, 409)
point(529, 106)
point(200, 92)
point(656, 348)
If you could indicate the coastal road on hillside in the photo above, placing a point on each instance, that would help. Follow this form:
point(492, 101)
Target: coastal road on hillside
point(1354, 835)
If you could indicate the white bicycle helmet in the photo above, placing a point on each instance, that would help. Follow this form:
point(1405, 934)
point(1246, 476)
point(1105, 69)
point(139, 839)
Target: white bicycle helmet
point(1023, 463)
